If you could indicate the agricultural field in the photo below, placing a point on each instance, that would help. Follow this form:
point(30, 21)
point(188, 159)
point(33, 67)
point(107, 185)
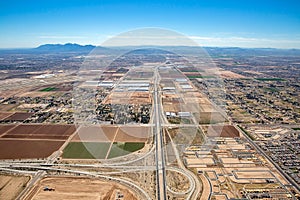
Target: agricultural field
point(11, 186)
point(4, 128)
point(48, 89)
point(106, 141)
point(4, 115)
point(270, 79)
point(32, 141)
point(121, 149)
point(58, 132)
point(100, 150)
point(18, 116)
point(25, 149)
point(106, 133)
point(86, 150)
point(56, 87)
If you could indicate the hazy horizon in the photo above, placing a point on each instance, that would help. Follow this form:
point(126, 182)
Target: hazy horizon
point(32, 47)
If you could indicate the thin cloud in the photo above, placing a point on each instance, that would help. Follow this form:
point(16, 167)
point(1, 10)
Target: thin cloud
point(246, 42)
point(61, 37)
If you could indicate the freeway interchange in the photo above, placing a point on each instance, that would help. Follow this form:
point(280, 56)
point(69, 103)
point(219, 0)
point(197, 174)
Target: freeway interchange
point(152, 167)
point(114, 171)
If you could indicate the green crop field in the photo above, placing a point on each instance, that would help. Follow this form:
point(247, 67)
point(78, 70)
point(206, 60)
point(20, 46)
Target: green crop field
point(86, 150)
point(48, 89)
point(194, 76)
point(121, 149)
point(270, 79)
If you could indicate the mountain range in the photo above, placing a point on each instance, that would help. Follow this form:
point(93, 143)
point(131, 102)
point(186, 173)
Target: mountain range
point(69, 47)
point(73, 48)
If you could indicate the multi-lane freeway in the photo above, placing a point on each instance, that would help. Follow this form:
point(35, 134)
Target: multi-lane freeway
point(159, 165)
point(159, 143)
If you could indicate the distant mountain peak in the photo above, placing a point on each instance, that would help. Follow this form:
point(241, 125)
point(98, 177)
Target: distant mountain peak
point(68, 47)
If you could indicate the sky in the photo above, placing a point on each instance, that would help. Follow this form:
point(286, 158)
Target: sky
point(231, 23)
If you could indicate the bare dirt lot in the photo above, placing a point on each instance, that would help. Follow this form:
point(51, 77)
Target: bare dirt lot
point(128, 98)
point(111, 133)
point(21, 149)
point(37, 94)
point(132, 134)
point(11, 186)
point(80, 188)
point(177, 181)
point(210, 118)
point(7, 107)
point(254, 174)
point(95, 134)
point(222, 131)
point(230, 74)
point(171, 107)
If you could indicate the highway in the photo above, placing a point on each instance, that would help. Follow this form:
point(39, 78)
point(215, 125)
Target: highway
point(156, 155)
point(42, 171)
point(195, 189)
point(37, 176)
point(161, 181)
point(160, 163)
